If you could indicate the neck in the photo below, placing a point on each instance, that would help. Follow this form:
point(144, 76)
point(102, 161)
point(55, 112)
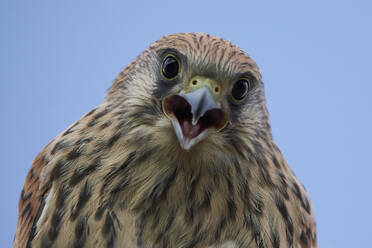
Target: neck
point(218, 187)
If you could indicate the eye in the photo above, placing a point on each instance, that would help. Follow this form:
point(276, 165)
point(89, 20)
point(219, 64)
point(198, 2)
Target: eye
point(240, 89)
point(170, 67)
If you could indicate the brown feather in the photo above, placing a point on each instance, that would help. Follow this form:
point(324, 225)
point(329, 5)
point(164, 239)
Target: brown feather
point(119, 178)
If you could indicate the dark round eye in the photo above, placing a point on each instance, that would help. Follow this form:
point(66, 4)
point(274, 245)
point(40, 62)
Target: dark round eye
point(240, 89)
point(170, 67)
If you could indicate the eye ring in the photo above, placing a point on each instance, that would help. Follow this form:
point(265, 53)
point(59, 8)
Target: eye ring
point(240, 89)
point(170, 67)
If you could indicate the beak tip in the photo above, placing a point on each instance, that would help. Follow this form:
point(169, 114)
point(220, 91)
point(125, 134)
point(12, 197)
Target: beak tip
point(194, 120)
point(200, 100)
point(185, 142)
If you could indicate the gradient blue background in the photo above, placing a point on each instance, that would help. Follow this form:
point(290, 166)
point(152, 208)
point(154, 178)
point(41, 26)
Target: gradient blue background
point(58, 59)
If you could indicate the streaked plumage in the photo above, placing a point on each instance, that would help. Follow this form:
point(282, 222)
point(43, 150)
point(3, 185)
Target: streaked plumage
point(120, 176)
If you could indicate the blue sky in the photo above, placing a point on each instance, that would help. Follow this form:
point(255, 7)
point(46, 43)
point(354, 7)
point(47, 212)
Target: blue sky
point(57, 58)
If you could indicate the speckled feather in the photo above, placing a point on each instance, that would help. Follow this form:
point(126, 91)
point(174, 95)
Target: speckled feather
point(119, 178)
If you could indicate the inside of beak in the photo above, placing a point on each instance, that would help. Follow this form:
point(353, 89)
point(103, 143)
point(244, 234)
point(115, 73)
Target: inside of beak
point(195, 112)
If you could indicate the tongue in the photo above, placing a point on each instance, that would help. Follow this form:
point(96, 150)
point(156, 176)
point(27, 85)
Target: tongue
point(190, 131)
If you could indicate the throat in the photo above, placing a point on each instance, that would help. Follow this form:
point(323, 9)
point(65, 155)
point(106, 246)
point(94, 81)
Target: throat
point(187, 192)
point(178, 197)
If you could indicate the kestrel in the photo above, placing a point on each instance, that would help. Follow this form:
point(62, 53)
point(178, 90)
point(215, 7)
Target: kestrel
point(179, 154)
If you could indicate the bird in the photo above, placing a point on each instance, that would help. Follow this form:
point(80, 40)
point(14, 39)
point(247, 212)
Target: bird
point(179, 154)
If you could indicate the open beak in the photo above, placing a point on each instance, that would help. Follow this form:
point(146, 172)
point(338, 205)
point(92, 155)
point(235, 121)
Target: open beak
point(194, 115)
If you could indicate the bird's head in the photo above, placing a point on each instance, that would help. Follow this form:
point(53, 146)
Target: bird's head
point(195, 89)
